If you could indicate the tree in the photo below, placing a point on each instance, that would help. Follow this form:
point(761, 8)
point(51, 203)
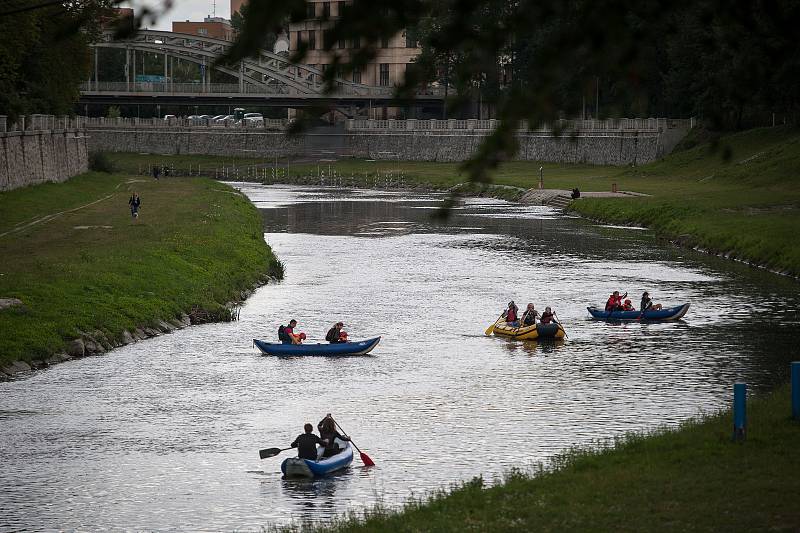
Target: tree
point(44, 54)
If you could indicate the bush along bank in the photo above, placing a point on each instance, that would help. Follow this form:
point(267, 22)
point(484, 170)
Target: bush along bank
point(81, 276)
point(692, 478)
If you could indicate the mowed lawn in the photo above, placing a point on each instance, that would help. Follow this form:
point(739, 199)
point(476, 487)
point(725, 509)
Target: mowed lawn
point(79, 262)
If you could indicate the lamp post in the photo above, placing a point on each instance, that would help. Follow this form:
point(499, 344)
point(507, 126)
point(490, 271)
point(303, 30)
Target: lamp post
point(541, 178)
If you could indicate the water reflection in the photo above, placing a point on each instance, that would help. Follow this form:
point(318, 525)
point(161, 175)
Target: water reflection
point(164, 434)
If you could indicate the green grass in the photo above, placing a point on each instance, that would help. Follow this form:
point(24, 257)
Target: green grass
point(741, 198)
point(747, 204)
point(689, 479)
point(197, 243)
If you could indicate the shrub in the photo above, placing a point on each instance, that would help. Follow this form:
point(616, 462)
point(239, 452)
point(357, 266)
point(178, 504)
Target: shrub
point(100, 162)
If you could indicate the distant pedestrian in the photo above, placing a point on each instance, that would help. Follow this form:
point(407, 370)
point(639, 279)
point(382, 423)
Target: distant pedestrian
point(134, 204)
point(156, 172)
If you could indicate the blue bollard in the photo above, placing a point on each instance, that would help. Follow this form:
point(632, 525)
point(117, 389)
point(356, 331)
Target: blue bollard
point(739, 411)
point(796, 390)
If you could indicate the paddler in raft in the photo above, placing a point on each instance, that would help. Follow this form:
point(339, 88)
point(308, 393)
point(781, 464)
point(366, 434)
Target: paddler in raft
point(547, 316)
point(510, 314)
point(306, 443)
point(647, 303)
point(335, 335)
point(287, 335)
point(327, 430)
point(614, 302)
point(529, 316)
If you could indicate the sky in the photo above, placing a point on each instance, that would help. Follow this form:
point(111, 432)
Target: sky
point(194, 10)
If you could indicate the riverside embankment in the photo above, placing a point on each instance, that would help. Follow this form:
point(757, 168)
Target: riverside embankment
point(82, 276)
point(738, 196)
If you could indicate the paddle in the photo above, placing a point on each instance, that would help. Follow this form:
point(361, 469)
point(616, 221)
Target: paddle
point(364, 457)
point(271, 452)
point(490, 329)
point(558, 321)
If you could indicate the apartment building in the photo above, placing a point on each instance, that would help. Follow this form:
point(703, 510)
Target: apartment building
point(389, 66)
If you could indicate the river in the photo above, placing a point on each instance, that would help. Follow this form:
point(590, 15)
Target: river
point(164, 434)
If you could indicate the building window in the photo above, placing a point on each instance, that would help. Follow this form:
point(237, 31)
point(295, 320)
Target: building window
point(356, 75)
point(327, 42)
point(411, 38)
point(342, 44)
point(384, 42)
point(339, 8)
point(312, 39)
point(356, 42)
point(384, 74)
point(202, 31)
point(326, 10)
point(311, 10)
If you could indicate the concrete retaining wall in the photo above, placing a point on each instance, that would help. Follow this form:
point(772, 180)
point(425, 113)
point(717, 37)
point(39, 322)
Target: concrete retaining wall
point(31, 157)
point(602, 148)
point(191, 141)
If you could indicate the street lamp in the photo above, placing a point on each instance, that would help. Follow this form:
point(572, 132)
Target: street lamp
point(541, 178)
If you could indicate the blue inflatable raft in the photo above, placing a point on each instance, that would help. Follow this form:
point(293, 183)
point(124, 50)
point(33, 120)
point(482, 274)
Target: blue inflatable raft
point(341, 348)
point(296, 467)
point(651, 315)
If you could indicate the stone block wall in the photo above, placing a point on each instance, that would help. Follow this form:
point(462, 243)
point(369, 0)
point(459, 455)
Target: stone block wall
point(595, 149)
point(599, 148)
point(29, 157)
point(237, 143)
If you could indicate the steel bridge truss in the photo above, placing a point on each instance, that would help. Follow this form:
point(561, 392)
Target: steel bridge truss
point(268, 74)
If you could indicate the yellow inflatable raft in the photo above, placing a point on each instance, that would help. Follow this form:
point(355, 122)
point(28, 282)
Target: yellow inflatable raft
point(529, 333)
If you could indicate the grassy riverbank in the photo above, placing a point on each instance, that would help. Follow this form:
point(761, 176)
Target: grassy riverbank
point(690, 479)
point(79, 263)
point(746, 205)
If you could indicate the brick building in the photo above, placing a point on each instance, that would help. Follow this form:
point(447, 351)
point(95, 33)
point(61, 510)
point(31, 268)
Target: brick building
point(215, 27)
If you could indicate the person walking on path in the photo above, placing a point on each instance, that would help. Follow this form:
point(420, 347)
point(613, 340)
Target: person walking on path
point(134, 204)
point(156, 172)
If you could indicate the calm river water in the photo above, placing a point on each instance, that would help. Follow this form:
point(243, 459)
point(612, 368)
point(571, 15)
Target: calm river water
point(164, 434)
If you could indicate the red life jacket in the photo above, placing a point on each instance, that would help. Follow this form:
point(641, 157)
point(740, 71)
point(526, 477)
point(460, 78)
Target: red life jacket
point(511, 316)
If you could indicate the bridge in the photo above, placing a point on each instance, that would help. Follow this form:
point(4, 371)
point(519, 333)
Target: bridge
point(266, 80)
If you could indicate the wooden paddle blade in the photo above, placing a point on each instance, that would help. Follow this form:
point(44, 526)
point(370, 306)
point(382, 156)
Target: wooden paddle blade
point(490, 329)
point(366, 460)
point(269, 452)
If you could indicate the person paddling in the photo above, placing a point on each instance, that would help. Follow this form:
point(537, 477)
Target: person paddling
point(648, 304)
point(327, 430)
point(628, 306)
point(335, 334)
point(306, 443)
point(614, 302)
point(529, 316)
point(287, 336)
point(510, 314)
point(547, 316)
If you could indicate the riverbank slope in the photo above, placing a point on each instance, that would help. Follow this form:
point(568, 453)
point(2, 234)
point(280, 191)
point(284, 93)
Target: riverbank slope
point(90, 277)
point(690, 479)
point(741, 200)
point(738, 196)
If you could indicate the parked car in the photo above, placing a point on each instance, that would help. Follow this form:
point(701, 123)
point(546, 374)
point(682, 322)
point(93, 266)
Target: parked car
point(224, 118)
point(217, 117)
point(254, 115)
point(253, 122)
point(170, 117)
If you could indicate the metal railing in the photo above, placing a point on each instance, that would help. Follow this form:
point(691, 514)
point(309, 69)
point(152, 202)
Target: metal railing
point(181, 123)
point(266, 88)
point(606, 125)
point(41, 123)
